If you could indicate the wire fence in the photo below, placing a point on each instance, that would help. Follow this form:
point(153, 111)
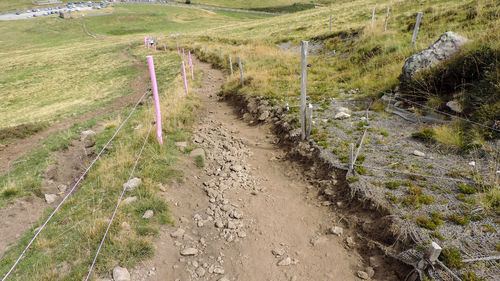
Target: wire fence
point(74, 187)
point(118, 203)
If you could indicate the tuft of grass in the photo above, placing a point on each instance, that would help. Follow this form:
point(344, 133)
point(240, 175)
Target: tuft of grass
point(451, 257)
point(199, 161)
point(425, 135)
point(466, 189)
point(471, 276)
point(459, 220)
point(393, 184)
point(10, 192)
point(432, 223)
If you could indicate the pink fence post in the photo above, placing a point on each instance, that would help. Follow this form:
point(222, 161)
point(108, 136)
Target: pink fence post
point(191, 65)
point(184, 75)
point(156, 97)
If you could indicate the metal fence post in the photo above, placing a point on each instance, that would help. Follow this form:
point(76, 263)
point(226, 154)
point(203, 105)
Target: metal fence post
point(373, 16)
point(417, 27)
point(231, 64)
point(386, 19)
point(241, 72)
point(303, 92)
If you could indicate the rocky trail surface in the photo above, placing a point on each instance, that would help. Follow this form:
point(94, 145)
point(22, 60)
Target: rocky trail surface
point(248, 214)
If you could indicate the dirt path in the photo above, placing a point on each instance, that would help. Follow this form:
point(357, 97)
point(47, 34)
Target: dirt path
point(248, 215)
point(18, 217)
point(14, 150)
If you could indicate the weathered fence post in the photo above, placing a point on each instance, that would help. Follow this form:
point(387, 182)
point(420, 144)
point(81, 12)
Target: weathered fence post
point(351, 158)
point(191, 65)
point(386, 19)
point(184, 76)
point(265, 31)
point(288, 29)
point(303, 92)
point(220, 53)
point(156, 98)
point(373, 16)
point(417, 26)
point(241, 72)
point(165, 47)
point(231, 64)
point(309, 121)
point(331, 18)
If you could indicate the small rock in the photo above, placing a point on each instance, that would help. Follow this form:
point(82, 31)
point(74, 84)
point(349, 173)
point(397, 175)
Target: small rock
point(236, 168)
point(264, 116)
point(418, 153)
point(181, 145)
point(278, 252)
point(219, 224)
point(363, 275)
point(197, 152)
point(242, 234)
point(237, 215)
point(337, 230)
point(87, 133)
point(50, 198)
point(472, 163)
point(285, 262)
point(231, 225)
point(121, 274)
point(148, 214)
point(369, 270)
point(224, 279)
point(344, 109)
point(200, 271)
point(219, 270)
point(342, 115)
point(129, 200)
point(350, 242)
point(62, 188)
point(189, 252)
point(453, 105)
point(132, 184)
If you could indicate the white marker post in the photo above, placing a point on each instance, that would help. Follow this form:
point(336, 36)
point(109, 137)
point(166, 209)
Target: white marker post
point(288, 29)
point(156, 98)
point(231, 64)
point(386, 19)
point(373, 16)
point(220, 53)
point(331, 19)
point(303, 92)
point(241, 72)
point(309, 121)
point(417, 27)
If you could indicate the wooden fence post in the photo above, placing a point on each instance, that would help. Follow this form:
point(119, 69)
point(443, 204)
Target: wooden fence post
point(303, 92)
point(231, 64)
point(417, 27)
point(386, 19)
point(373, 16)
point(331, 18)
point(241, 72)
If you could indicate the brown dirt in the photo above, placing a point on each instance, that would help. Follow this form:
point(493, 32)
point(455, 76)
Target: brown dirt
point(18, 217)
point(281, 210)
point(12, 151)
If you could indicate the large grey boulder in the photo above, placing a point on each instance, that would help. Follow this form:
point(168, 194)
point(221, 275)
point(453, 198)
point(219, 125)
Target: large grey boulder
point(445, 47)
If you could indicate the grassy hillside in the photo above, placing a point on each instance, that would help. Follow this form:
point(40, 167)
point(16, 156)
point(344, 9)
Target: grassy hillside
point(55, 71)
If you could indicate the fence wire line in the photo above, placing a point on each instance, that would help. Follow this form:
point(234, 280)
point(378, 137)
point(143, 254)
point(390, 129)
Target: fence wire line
point(438, 111)
point(73, 188)
point(414, 174)
point(118, 203)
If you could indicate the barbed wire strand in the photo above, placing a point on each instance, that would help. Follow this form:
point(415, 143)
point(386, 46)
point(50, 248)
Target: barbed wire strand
point(414, 174)
point(436, 110)
point(73, 188)
point(118, 203)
